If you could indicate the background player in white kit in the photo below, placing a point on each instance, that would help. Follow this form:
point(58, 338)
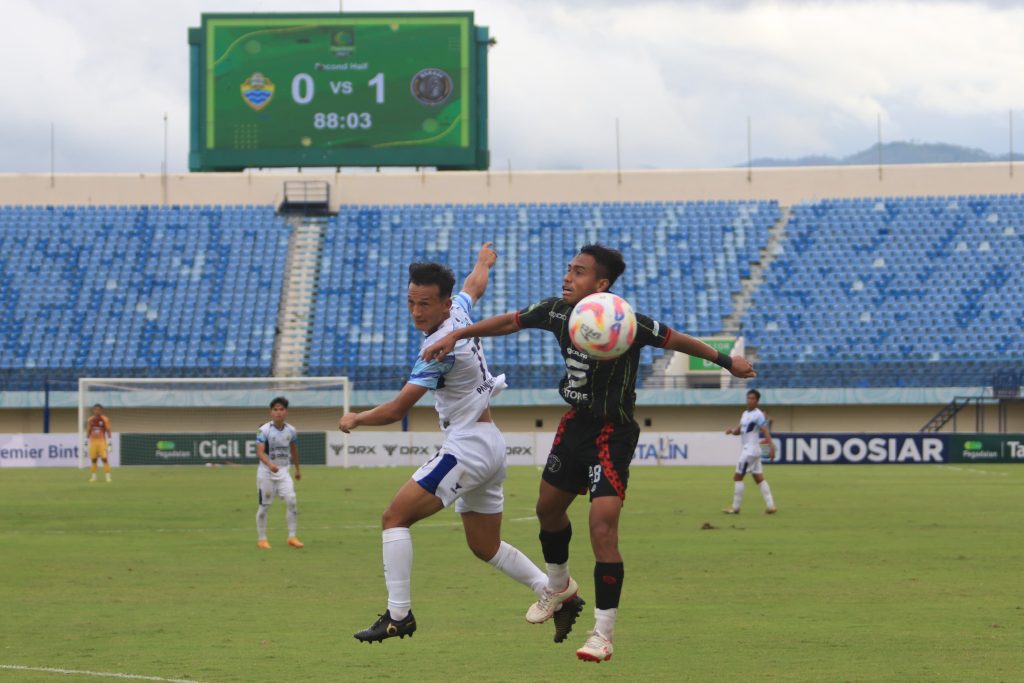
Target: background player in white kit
point(277, 447)
point(470, 467)
point(753, 426)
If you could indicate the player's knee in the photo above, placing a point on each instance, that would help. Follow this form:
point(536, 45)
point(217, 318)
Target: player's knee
point(291, 501)
point(604, 535)
point(393, 518)
point(548, 514)
point(484, 550)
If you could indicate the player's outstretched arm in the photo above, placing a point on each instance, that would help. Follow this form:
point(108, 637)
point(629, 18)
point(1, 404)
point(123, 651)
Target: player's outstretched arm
point(684, 343)
point(476, 282)
point(386, 413)
point(496, 326)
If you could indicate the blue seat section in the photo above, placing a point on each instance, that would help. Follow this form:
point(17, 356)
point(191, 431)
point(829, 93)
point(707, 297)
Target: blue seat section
point(684, 262)
point(138, 291)
point(922, 291)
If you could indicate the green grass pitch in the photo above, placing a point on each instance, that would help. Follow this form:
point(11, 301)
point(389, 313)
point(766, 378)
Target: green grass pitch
point(868, 573)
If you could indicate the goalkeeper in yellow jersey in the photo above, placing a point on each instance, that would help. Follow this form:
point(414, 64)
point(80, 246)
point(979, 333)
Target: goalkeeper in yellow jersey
point(99, 435)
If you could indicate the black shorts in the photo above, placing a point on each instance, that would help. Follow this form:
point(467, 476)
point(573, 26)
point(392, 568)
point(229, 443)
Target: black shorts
point(590, 453)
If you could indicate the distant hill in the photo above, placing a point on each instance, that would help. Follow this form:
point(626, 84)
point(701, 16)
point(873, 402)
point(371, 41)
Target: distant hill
point(893, 153)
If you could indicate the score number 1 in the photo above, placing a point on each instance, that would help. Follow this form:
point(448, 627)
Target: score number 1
point(303, 89)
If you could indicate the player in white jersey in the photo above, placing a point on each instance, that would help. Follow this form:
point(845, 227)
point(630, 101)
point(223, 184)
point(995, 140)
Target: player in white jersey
point(753, 427)
point(277, 447)
point(469, 469)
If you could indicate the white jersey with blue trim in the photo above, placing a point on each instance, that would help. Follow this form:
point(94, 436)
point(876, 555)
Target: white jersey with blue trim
point(750, 430)
point(461, 382)
point(278, 445)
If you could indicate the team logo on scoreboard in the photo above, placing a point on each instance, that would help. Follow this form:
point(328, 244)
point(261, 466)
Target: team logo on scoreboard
point(257, 90)
point(431, 86)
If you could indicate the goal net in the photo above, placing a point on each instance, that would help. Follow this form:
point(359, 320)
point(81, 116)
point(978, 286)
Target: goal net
point(209, 420)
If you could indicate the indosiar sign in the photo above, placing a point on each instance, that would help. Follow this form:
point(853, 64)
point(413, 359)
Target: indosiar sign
point(857, 449)
point(198, 449)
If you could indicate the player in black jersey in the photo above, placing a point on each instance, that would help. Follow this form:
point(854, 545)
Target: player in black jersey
point(596, 438)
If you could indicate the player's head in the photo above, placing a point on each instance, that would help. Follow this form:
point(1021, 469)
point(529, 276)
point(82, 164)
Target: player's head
point(430, 295)
point(97, 409)
point(594, 269)
point(279, 409)
point(753, 398)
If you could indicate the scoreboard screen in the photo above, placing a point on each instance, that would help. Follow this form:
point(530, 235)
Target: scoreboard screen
point(338, 90)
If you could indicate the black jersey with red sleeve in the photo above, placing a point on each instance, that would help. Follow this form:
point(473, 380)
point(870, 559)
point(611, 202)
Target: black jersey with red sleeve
point(607, 388)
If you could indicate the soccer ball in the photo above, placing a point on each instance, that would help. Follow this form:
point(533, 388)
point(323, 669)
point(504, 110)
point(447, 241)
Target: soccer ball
point(602, 326)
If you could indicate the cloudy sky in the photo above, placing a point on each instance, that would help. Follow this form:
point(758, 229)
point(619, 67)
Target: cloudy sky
point(682, 77)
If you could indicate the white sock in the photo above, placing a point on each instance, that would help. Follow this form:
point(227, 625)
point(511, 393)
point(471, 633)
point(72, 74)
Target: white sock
point(293, 516)
point(261, 522)
point(769, 502)
point(397, 544)
point(604, 621)
point(558, 577)
point(737, 494)
point(519, 567)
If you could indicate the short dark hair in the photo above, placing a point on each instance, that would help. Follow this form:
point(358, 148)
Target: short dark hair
point(756, 393)
point(610, 263)
point(97, 405)
point(280, 400)
point(432, 274)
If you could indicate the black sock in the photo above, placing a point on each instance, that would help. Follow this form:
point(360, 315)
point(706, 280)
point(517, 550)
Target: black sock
point(608, 584)
point(555, 545)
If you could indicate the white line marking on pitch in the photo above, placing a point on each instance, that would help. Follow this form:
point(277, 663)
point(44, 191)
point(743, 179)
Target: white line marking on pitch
point(421, 525)
point(103, 674)
point(972, 470)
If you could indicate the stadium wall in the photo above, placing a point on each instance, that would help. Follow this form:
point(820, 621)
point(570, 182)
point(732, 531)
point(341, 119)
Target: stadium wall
point(786, 185)
point(785, 418)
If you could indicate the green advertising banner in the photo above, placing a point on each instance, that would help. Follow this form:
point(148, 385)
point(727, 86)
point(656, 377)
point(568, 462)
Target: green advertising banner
point(719, 344)
point(200, 449)
point(986, 447)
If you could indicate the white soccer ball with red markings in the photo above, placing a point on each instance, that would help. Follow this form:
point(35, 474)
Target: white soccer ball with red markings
point(603, 326)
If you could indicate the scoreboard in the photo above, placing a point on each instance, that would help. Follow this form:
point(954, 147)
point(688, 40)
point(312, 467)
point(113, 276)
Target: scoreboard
point(357, 89)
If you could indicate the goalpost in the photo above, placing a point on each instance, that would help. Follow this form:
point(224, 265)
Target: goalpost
point(212, 407)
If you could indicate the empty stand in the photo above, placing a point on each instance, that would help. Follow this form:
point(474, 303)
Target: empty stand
point(138, 290)
point(685, 260)
point(921, 291)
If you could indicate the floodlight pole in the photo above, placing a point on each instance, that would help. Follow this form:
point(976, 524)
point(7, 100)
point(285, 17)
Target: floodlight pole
point(879, 145)
point(163, 168)
point(618, 153)
point(750, 151)
point(52, 154)
point(1011, 143)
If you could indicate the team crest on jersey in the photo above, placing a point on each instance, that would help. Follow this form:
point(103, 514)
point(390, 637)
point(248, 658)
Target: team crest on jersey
point(257, 91)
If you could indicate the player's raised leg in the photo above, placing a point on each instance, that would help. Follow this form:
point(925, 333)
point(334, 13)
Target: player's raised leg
point(555, 535)
point(411, 504)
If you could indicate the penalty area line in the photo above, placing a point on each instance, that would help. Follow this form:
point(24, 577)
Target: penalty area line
point(98, 674)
